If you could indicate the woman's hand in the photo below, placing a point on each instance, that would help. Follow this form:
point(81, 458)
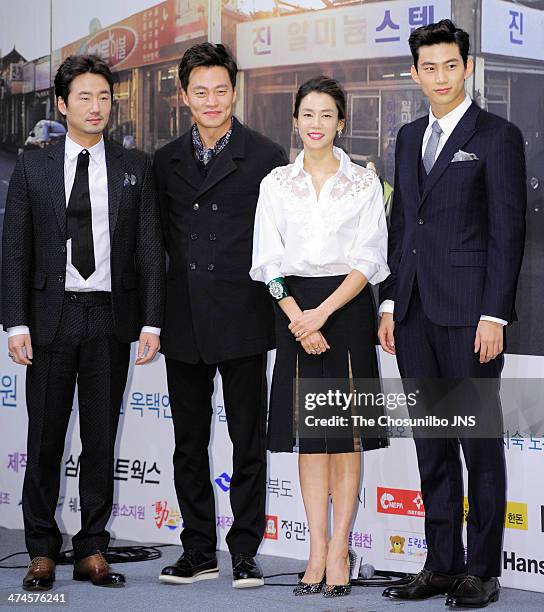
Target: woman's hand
point(315, 344)
point(310, 322)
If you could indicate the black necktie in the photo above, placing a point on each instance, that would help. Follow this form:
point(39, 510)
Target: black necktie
point(79, 225)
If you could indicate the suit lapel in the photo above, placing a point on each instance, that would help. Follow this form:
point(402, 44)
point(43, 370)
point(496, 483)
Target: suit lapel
point(184, 163)
point(55, 179)
point(225, 164)
point(414, 154)
point(115, 173)
point(462, 133)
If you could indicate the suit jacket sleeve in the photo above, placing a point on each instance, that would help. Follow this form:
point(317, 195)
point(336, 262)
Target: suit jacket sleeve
point(396, 233)
point(150, 253)
point(16, 250)
point(506, 206)
point(162, 198)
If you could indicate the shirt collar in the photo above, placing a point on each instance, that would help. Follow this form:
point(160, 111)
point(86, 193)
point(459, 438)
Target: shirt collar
point(72, 149)
point(204, 154)
point(448, 122)
point(345, 163)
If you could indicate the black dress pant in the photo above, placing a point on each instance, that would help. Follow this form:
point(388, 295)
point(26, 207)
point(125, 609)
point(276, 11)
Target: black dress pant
point(245, 393)
point(84, 349)
point(429, 351)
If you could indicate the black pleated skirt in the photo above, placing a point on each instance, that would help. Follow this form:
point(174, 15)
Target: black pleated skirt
point(351, 334)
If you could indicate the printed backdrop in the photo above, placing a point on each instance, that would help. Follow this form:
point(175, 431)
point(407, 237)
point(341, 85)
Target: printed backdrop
point(388, 529)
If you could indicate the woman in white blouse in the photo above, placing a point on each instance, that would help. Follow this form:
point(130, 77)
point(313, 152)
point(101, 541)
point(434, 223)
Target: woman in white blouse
point(320, 238)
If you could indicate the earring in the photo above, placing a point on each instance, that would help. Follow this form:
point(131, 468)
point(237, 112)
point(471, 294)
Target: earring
point(339, 133)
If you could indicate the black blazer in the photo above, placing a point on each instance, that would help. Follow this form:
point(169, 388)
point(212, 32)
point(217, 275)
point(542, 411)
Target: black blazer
point(214, 310)
point(462, 229)
point(34, 244)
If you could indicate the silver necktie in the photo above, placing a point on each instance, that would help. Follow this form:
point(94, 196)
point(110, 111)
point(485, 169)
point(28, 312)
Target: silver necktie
point(432, 145)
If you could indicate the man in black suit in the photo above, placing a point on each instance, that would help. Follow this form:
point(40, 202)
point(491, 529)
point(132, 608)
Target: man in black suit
point(83, 276)
point(216, 317)
point(455, 250)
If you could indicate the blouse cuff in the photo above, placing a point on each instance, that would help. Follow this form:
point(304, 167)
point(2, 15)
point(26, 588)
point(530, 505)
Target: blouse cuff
point(269, 273)
point(374, 272)
point(367, 268)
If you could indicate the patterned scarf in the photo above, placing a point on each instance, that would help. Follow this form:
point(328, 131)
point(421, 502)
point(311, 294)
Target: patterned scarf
point(206, 155)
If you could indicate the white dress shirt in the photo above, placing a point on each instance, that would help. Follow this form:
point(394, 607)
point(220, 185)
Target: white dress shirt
point(100, 279)
point(447, 125)
point(297, 233)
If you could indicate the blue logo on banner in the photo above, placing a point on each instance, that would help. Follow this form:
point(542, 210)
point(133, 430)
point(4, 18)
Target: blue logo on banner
point(223, 481)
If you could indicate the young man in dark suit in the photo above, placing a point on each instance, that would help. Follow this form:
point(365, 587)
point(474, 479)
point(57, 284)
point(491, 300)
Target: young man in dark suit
point(83, 276)
point(455, 249)
point(216, 317)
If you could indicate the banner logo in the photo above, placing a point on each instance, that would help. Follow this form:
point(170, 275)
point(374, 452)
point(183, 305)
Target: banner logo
point(400, 501)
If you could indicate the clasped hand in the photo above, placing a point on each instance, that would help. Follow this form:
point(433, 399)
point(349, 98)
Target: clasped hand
point(306, 330)
point(309, 322)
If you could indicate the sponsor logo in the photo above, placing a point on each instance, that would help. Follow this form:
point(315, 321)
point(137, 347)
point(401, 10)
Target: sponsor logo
point(516, 516)
point(405, 546)
point(271, 530)
point(166, 516)
point(223, 482)
point(400, 501)
point(523, 565)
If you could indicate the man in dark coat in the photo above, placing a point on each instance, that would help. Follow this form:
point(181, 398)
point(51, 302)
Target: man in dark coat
point(83, 276)
point(216, 317)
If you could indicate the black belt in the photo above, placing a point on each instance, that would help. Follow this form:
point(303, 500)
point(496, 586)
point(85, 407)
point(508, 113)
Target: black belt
point(88, 298)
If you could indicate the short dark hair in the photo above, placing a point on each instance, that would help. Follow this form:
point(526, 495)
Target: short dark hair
point(206, 55)
point(323, 84)
point(73, 66)
point(445, 31)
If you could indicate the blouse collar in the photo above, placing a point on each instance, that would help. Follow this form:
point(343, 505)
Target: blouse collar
point(345, 163)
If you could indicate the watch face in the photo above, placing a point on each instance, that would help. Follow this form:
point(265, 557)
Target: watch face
point(276, 289)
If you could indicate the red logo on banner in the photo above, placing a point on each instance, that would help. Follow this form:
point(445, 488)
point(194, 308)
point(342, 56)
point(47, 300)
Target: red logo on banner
point(271, 530)
point(400, 501)
point(114, 45)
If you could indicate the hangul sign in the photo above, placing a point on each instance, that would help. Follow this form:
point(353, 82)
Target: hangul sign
point(378, 29)
point(514, 30)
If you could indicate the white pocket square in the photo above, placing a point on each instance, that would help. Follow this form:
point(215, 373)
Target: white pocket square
point(130, 179)
point(464, 156)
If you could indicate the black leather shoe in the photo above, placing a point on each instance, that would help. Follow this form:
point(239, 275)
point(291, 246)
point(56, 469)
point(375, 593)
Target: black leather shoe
point(40, 575)
point(424, 585)
point(246, 572)
point(474, 592)
point(96, 569)
point(191, 567)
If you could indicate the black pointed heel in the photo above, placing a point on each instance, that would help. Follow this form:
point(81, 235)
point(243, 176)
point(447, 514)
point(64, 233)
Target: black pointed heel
point(341, 590)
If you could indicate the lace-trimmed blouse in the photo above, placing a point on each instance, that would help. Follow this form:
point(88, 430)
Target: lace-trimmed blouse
point(298, 234)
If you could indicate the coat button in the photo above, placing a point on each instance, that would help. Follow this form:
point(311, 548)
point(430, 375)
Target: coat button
point(414, 251)
point(196, 206)
point(420, 221)
point(192, 266)
point(211, 267)
point(213, 236)
point(214, 207)
point(60, 279)
point(194, 236)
